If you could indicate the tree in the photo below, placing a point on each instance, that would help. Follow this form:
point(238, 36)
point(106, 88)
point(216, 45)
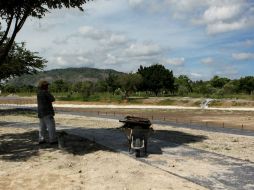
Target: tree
point(14, 13)
point(86, 89)
point(156, 78)
point(183, 85)
point(20, 61)
point(130, 83)
point(246, 84)
point(232, 87)
point(203, 87)
point(100, 86)
point(112, 82)
point(60, 86)
point(218, 82)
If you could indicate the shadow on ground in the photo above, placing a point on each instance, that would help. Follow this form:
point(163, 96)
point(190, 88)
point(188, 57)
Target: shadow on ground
point(18, 111)
point(116, 139)
point(178, 137)
point(22, 146)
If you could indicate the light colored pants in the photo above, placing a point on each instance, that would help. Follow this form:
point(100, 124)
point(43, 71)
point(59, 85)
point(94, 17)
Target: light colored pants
point(47, 122)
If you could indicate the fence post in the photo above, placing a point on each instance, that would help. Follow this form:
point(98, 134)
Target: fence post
point(164, 118)
point(242, 126)
point(223, 125)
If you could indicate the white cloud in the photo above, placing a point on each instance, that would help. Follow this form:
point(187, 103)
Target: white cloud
point(181, 9)
point(111, 59)
point(207, 61)
point(142, 49)
point(243, 56)
point(196, 75)
point(90, 32)
point(60, 61)
point(114, 39)
point(225, 16)
point(135, 3)
point(218, 16)
point(107, 38)
point(226, 12)
point(221, 27)
point(82, 59)
point(175, 61)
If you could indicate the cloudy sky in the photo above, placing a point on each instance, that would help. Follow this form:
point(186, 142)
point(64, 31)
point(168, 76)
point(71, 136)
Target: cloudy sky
point(198, 38)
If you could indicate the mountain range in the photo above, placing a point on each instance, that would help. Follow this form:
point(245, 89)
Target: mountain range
point(69, 74)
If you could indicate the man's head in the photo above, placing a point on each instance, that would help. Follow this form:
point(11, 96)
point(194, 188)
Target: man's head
point(43, 85)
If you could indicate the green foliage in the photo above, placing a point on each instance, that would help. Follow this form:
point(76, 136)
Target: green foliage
point(167, 102)
point(156, 78)
point(232, 87)
point(183, 85)
point(59, 86)
point(203, 87)
point(130, 83)
point(20, 61)
point(14, 13)
point(96, 97)
point(112, 82)
point(246, 84)
point(27, 89)
point(122, 86)
point(218, 82)
point(86, 89)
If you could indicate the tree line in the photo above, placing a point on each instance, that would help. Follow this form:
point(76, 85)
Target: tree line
point(154, 80)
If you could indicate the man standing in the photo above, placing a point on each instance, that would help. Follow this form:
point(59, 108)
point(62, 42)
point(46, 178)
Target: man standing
point(46, 113)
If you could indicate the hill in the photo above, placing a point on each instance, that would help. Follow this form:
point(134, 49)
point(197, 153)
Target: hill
point(68, 74)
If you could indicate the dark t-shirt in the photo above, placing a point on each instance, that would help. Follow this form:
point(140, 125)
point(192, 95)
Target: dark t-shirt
point(44, 101)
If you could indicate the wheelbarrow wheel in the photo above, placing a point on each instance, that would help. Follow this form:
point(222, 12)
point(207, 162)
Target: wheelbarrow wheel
point(137, 153)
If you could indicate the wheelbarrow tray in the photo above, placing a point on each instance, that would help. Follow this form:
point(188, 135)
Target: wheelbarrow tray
point(131, 122)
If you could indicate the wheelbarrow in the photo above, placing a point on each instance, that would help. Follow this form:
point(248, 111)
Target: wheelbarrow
point(137, 131)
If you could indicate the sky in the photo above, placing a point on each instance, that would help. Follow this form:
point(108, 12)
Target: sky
point(197, 38)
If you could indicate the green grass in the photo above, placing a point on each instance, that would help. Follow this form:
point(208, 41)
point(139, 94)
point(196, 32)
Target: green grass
point(97, 97)
point(167, 102)
point(216, 103)
point(216, 96)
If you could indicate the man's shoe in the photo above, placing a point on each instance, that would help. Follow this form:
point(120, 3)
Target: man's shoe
point(42, 142)
point(54, 142)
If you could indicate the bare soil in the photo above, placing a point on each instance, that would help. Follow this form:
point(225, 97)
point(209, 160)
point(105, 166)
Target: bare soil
point(83, 164)
point(215, 118)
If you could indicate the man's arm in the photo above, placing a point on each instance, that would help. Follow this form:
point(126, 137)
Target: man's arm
point(50, 97)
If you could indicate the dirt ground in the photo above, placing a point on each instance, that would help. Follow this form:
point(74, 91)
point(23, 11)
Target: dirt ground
point(217, 118)
point(83, 164)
